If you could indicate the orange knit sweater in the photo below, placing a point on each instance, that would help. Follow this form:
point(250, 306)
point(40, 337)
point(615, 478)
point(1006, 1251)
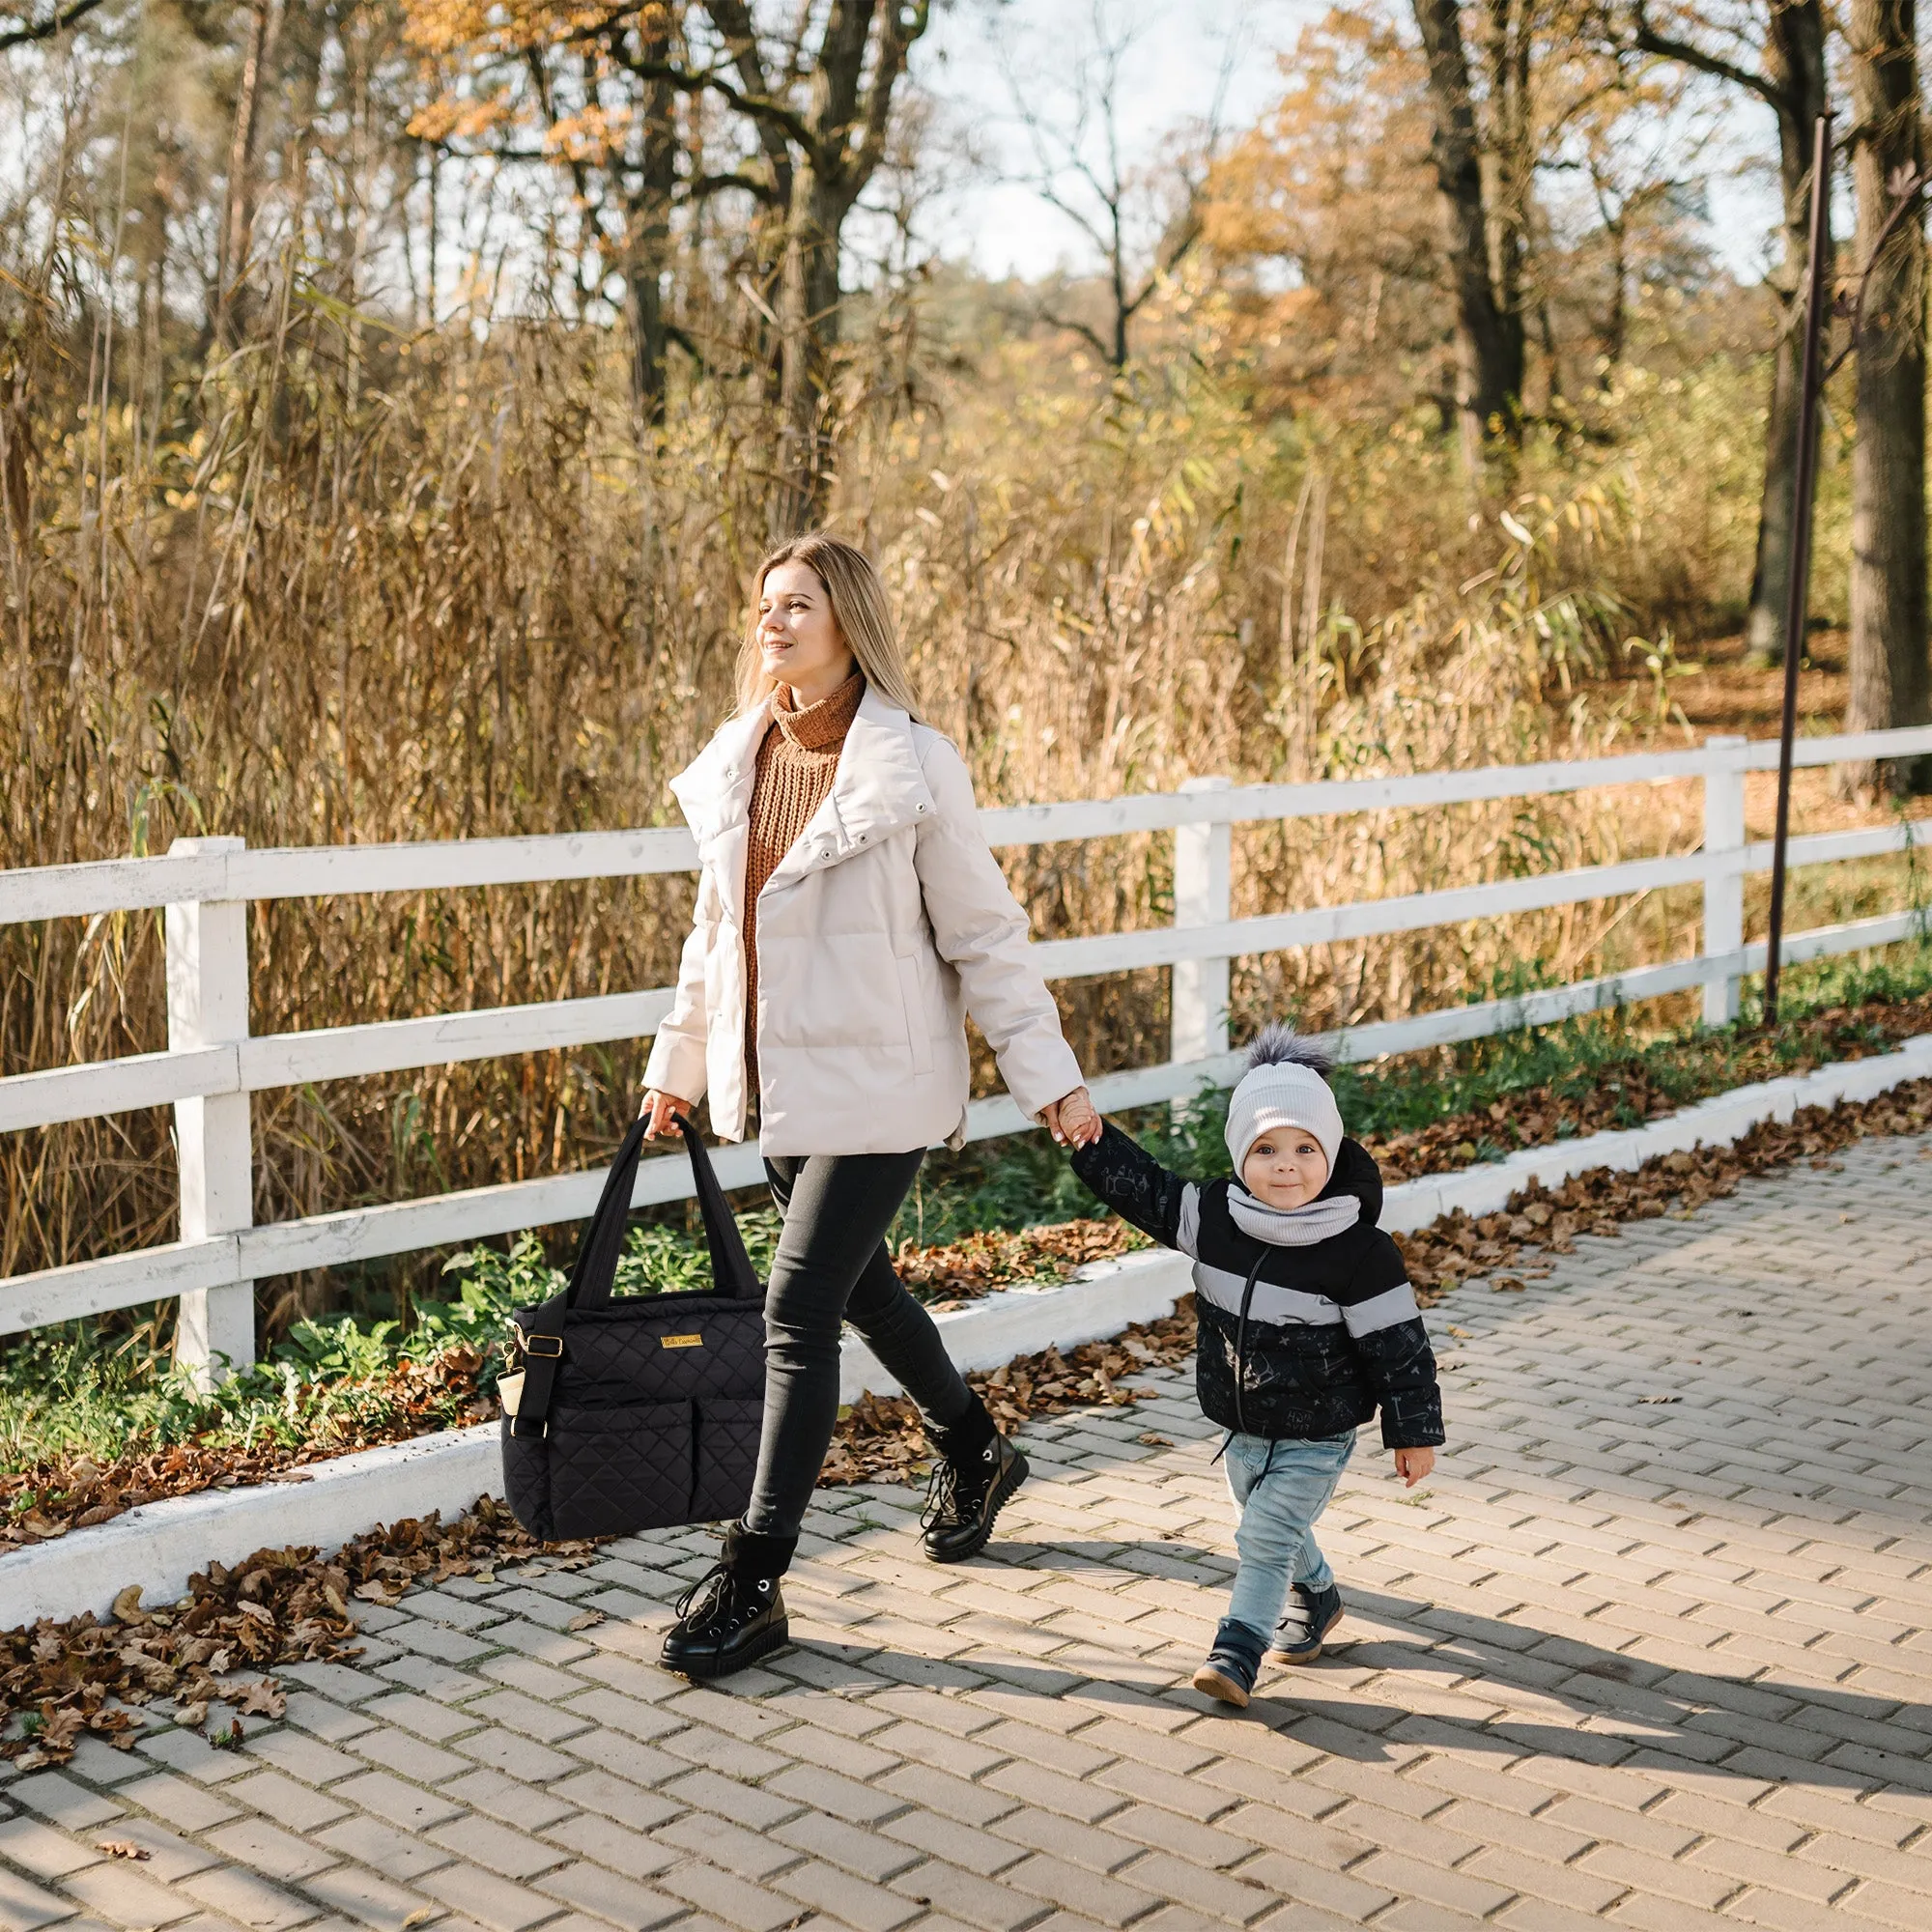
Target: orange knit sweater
point(796, 762)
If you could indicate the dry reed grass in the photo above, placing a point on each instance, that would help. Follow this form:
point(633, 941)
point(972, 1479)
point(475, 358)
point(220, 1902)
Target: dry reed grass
point(346, 589)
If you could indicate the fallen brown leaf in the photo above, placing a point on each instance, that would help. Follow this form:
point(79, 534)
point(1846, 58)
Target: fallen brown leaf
point(265, 1699)
point(124, 1848)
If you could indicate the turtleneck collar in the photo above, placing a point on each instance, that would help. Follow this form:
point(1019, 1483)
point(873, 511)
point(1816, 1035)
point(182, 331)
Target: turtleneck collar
point(820, 727)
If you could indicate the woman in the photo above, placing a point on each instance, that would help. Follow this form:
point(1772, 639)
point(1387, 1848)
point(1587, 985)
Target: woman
point(849, 914)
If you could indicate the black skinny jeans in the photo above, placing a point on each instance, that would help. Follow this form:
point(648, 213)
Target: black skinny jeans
point(833, 1267)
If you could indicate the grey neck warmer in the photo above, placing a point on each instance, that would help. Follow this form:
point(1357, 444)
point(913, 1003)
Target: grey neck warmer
point(1292, 1227)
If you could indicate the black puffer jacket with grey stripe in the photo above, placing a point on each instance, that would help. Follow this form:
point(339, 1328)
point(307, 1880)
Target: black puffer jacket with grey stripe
point(1331, 1332)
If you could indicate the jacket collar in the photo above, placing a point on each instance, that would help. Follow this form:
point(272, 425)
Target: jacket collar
point(876, 788)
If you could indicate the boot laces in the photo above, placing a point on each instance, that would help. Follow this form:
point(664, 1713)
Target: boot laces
point(721, 1597)
point(954, 1489)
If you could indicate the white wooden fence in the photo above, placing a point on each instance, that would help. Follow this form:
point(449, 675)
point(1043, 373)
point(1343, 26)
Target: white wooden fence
point(212, 1064)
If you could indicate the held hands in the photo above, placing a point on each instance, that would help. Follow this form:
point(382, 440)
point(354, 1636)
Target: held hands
point(661, 1111)
point(1412, 1464)
point(1071, 1120)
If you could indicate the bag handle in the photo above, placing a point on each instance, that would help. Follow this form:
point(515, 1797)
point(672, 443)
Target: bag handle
point(731, 1266)
point(595, 1269)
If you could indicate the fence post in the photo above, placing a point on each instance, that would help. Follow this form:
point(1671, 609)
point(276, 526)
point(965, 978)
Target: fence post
point(208, 1005)
point(1203, 895)
point(1724, 883)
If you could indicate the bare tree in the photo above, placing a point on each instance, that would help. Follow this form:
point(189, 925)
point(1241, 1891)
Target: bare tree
point(1786, 71)
point(1890, 672)
point(1073, 136)
point(1487, 284)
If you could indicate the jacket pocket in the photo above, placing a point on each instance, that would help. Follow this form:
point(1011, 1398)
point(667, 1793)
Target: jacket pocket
point(918, 1022)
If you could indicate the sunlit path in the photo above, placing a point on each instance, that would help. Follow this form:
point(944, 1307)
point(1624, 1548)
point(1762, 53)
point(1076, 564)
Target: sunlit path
point(1653, 1649)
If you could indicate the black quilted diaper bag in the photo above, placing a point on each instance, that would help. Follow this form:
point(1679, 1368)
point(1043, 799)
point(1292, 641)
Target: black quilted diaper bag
point(642, 1412)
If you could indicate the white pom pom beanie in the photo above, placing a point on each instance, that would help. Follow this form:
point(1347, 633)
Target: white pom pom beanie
point(1282, 1095)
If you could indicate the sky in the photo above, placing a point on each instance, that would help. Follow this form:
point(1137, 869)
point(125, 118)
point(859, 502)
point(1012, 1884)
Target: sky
point(1171, 75)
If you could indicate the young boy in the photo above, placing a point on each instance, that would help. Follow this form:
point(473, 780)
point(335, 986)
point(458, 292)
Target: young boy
point(1308, 1325)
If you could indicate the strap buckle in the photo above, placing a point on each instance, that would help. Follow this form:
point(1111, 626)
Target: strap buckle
point(554, 1350)
point(521, 1426)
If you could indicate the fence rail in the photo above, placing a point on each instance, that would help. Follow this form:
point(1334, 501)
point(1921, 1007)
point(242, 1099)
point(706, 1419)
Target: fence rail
point(213, 1065)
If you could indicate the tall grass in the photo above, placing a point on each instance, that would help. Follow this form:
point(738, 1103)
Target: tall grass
point(343, 586)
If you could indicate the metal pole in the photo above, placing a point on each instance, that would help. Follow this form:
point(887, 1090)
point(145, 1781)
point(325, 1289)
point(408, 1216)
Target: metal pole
point(1802, 489)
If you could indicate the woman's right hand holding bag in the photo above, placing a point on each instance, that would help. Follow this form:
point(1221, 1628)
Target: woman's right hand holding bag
point(661, 1112)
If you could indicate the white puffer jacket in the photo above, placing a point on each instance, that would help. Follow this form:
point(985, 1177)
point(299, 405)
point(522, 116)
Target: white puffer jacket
point(879, 930)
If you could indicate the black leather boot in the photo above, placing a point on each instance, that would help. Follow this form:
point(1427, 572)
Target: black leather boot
point(735, 1612)
point(978, 1470)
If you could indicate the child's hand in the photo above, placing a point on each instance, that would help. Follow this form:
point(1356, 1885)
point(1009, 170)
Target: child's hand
point(1071, 1120)
point(1412, 1464)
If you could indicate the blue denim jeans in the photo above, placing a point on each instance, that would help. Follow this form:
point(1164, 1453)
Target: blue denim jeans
point(1280, 1488)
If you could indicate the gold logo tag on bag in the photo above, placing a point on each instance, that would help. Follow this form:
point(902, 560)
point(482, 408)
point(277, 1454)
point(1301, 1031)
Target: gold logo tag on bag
point(680, 1341)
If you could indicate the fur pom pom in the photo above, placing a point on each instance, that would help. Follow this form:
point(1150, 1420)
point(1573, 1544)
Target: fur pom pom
point(1279, 1045)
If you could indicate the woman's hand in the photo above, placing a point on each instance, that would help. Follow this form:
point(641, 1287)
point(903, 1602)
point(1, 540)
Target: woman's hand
point(661, 1111)
point(1071, 1120)
point(1414, 1464)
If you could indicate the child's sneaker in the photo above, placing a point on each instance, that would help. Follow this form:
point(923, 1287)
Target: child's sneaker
point(1310, 1615)
point(1232, 1665)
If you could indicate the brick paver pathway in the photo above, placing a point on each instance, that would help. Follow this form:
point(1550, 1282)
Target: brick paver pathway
point(1653, 1649)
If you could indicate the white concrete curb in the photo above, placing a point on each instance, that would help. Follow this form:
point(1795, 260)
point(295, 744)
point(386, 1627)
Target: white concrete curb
point(159, 1544)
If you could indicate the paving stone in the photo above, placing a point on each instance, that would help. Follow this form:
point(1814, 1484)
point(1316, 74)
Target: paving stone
point(365, 1897)
point(287, 1802)
point(123, 1894)
point(245, 1899)
point(62, 1801)
point(43, 1852)
point(389, 1798)
point(606, 1842)
point(170, 1858)
point(622, 1902)
point(178, 1802)
point(302, 1757)
point(423, 1715)
point(495, 1846)
point(394, 1854)
point(734, 1900)
point(864, 1851)
point(966, 1896)
point(498, 1797)
point(269, 1850)
point(851, 1901)
point(24, 1906)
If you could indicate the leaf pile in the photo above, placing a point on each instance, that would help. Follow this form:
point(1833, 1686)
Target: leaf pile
point(1456, 1248)
point(1626, 1093)
point(277, 1607)
point(1000, 1258)
point(879, 1437)
point(416, 1398)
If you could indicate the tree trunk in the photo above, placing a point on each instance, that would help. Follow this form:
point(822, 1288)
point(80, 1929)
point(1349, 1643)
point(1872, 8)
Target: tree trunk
point(647, 243)
point(237, 214)
point(1488, 340)
point(1890, 672)
point(809, 311)
point(1794, 60)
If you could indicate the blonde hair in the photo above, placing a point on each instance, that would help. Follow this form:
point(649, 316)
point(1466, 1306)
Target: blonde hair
point(859, 607)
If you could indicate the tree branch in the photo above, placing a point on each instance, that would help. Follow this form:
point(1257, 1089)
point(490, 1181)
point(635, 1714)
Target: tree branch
point(734, 20)
point(1687, 53)
point(61, 19)
point(1081, 330)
